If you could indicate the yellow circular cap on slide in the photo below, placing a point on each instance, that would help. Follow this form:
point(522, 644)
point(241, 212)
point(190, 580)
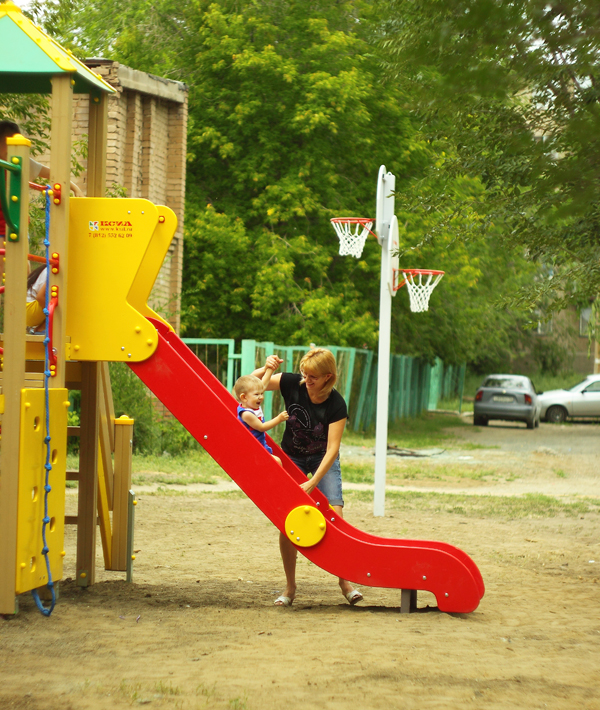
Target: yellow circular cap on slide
point(305, 526)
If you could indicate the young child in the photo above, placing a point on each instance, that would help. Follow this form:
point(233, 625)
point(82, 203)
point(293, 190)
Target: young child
point(250, 393)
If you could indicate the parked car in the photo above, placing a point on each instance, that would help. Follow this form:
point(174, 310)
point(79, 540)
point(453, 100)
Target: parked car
point(582, 400)
point(508, 397)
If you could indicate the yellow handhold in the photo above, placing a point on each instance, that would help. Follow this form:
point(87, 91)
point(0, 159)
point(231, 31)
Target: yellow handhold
point(14, 198)
point(83, 575)
point(63, 553)
point(138, 329)
point(305, 526)
point(15, 160)
point(133, 557)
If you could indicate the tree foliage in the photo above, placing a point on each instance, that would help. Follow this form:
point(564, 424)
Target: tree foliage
point(514, 87)
point(290, 118)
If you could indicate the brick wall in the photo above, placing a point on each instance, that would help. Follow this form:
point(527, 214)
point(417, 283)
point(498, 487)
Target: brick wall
point(146, 150)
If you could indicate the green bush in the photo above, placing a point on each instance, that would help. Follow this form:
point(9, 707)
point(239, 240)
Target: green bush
point(131, 397)
point(175, 439)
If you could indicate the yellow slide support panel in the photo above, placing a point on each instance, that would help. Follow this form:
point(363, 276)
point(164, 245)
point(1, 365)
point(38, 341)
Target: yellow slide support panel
point(116, 249)
point(31, 566)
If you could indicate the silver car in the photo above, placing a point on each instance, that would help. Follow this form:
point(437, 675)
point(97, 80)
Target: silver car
point(582, 400)
point(508, 397)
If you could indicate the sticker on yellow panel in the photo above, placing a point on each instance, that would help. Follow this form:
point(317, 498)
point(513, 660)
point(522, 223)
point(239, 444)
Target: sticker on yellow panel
point(108, 239)
point(31, 569)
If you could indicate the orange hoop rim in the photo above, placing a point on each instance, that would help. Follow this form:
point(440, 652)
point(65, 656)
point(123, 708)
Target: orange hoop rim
point(355, 220)
point(412, 272)
point(420, 271)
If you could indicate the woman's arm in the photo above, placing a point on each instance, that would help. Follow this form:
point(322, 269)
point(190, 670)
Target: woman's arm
point(334, 439)
point(272, 363)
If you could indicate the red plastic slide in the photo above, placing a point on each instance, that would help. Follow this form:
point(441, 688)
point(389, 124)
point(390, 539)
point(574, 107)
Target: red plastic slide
point(207, 410)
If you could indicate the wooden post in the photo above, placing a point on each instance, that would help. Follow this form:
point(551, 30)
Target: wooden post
point(122, 481)
point(13, 381)
point(106, 431)
point(97, 141)
point(88, 475)
point(60, 172)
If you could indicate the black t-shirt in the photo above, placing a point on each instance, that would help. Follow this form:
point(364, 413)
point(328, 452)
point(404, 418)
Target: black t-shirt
point(308, 426)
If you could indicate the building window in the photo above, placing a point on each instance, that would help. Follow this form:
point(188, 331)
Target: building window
point(543, 327)
point(584, 322)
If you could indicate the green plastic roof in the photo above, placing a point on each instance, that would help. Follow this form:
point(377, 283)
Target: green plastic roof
point(29, 58)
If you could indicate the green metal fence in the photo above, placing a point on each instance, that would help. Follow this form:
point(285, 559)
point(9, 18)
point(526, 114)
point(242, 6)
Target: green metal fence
point(415, 385)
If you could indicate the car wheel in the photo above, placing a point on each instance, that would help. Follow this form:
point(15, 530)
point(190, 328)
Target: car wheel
point(479, 421)
point(537, 423)
point(530, 423)
point(556, 414)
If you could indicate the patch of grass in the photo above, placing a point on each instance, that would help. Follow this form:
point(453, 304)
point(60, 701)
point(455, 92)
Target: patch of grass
point(560, 473)
point(410, 470)
point(167, 688)
point(415, 471)
point(188, 463)
point(238, 703)
point(532, 505)
point(180, 479)
point(358, 472)
point(130, 691)
point(205, 691)
point(428, 431)
point(160, 491)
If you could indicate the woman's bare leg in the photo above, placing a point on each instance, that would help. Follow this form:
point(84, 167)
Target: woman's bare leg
point(288, 555)
point(345, 585)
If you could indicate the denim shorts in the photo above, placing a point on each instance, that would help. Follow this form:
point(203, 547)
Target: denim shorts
point(331, 483)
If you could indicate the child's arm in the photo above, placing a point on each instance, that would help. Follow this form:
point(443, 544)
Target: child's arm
point(253, 421)
point(266, 378)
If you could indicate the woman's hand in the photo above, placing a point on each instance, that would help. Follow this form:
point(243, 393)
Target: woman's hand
point(308, 486)
point(273, 363)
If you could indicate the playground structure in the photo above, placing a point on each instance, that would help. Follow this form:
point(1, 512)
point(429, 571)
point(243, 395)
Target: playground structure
point(107, 254)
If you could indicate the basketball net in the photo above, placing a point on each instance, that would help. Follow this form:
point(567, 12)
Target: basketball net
point(352, 233)
point(420, 284)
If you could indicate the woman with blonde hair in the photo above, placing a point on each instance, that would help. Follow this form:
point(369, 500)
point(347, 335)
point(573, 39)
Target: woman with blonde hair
point(313, 433)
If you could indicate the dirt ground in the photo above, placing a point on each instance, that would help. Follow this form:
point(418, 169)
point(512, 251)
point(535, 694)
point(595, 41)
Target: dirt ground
point(198, 629)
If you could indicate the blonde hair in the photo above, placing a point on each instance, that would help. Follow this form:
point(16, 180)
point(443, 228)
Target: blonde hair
point(245, 384)
point(319, 362)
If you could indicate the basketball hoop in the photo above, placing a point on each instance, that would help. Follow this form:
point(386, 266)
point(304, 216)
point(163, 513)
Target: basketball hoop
point(352, 233)
point(420, 283)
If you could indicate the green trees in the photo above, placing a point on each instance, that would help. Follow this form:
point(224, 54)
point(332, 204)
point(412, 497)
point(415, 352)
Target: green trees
point(513, 86)
point(290, 119)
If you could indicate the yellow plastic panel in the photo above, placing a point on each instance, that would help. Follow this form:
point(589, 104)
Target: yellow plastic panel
point(108, 240)
point(153, 259)
point(31, 565)
point(305, 526)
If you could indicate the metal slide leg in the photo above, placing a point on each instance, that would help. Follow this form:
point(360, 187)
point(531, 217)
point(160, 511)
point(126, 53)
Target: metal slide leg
point(408, 601)
point(131, 503)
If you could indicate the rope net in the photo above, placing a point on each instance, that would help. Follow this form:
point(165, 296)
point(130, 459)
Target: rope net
point(420, 285)
point(352, 234)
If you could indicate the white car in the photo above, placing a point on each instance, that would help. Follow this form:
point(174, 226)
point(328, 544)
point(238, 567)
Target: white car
point(582, 400)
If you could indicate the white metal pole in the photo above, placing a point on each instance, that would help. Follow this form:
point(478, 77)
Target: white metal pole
point(383, 380)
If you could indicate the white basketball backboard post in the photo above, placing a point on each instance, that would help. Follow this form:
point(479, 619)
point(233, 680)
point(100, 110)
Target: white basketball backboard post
point(386, 226)
point(385, 207)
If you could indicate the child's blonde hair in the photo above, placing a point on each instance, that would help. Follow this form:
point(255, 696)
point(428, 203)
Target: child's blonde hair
point(319, 362)
point(247, 383)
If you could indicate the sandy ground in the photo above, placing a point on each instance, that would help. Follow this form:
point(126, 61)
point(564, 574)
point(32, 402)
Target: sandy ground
point(198, 629)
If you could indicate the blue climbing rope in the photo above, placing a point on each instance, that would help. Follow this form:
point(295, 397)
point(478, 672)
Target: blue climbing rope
point(47, 439)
